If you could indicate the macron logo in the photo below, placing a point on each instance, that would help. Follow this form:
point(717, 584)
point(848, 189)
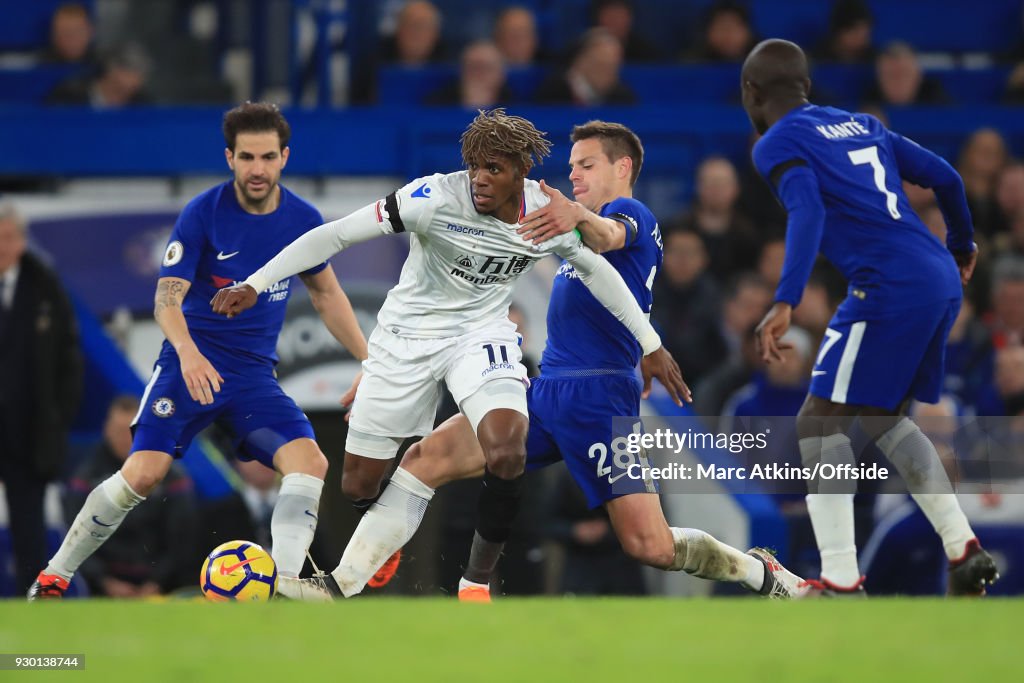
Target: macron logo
point(421, 191)
point(221, 256)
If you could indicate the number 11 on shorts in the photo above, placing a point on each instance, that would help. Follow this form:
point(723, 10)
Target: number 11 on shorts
point(489, 348)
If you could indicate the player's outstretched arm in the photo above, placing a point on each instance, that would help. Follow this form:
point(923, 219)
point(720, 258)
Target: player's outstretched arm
point(311, 249)
point(927, 169)
point(608, 287)
point(561, 215)
point(201, 378)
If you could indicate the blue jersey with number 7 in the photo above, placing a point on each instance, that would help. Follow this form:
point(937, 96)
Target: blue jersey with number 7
point(840, 176)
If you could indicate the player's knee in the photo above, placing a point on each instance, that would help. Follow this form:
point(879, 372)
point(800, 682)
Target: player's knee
point(506, 461)
point(316, 465)
point(648, 548)
point(142, 480)
point(505, 451)
point(424, 462)
point(808, 426)
point(359, 486)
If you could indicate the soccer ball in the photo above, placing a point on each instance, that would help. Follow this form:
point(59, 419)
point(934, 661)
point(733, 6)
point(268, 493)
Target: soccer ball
point(238, 570)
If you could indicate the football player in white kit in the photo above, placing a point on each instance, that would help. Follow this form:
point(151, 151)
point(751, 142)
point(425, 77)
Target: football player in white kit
point(447, 319)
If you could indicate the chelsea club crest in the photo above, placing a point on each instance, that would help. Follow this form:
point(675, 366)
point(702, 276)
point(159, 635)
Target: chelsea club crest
point(163, 407)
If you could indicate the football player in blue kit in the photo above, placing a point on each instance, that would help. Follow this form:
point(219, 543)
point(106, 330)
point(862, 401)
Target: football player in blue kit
point(839, 176)
point(215, 369)
point(587, 378)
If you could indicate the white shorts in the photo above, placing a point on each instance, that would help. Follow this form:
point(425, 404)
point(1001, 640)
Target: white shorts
point(401, 386)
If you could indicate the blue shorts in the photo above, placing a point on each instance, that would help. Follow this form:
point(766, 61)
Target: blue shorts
point(880, 359)
point(251, 406)
point(571, 420)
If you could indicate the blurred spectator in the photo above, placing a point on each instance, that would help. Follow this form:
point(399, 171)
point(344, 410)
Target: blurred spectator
point(931, 216)
point(899, 80)
point(594, 561)
point(730, 237)
point(260, 496)
point(417, 37)
point(711, 393)
point(416, 42)
point(757, 201)
point(982, 160)
point(1014, 94)
point(1010, 378)
point(747, 300)
point(71, 34)
point(920, 198)
point(1006, 321)
point(817, 304)
point(849, 34)
point(517, 316)
point(728, 34)
point(688, 306)
point(1010, 196)
point(969, 363)
point(481, 82)
point(153, 549)
point(775, 390)
point(778, 389)
point(515, 34)
point(120, 82)
point(245, 512)
point(40, 384)
point(616, 17)
point(769, 262)
point(592, 77)
point(1011, 242)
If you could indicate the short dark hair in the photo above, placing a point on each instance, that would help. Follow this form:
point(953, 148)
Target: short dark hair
point(617, 141)
point(255, 117)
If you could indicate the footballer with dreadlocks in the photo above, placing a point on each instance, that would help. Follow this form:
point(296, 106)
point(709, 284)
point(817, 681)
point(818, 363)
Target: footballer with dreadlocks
point(447, 320)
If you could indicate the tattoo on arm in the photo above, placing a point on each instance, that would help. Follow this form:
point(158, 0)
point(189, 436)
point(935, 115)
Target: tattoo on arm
point(169, 294)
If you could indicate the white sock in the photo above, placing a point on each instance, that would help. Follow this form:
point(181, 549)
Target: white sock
point(700, 554)
point(466, 583)
point(830, 506)
point(386, 527)
point(810, 455)
point(99, 518)
point(294, 521)
point(832, 519)
point(914, 456)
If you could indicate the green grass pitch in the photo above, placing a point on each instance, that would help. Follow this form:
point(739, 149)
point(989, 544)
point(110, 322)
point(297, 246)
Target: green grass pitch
point(543, 639)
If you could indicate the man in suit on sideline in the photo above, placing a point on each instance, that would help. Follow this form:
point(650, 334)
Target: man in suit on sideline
point(40, 384)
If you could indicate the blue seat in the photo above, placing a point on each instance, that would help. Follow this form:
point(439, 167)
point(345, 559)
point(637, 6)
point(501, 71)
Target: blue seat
point(948, 25)
point(32, 84)
point(26, 25)
point(524, 81)
point(411, 85)
point(974, 86)
point(696, 83)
